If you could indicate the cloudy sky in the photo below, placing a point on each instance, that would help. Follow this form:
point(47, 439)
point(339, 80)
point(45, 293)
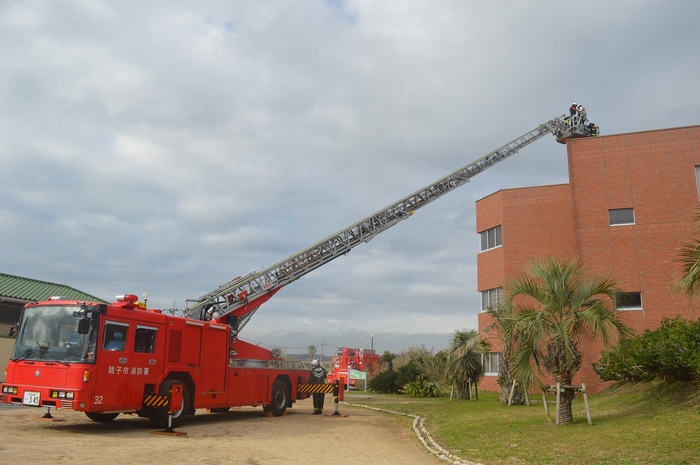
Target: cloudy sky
point(168, 147)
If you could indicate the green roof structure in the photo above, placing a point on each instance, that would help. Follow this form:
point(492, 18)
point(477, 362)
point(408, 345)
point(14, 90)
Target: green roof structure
point(34, 290)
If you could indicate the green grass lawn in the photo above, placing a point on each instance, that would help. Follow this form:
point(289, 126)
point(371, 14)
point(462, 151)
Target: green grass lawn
point(632, 424)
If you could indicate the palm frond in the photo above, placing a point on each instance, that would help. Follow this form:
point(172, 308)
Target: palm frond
point(570, 307)
point(689, 257)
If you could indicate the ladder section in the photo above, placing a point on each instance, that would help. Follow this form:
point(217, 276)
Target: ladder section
point(236, 301)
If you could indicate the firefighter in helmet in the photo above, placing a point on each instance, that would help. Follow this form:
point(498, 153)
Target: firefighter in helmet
point(318, 376)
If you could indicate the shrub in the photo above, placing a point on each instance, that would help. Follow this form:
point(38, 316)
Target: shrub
point(408, 373)
point(420, 388)
point(671, 352)
point(620, 362)
point(386, 382)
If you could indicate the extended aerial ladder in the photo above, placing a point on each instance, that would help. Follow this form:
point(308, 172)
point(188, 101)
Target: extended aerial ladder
point(236, 301)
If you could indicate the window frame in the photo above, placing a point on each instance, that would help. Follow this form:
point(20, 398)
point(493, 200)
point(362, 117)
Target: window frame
point(145, 339)
point(491, 238)
point(618, 223)
point(487, 298)
point(632, 297)
point(110, 328)
point(489, 367)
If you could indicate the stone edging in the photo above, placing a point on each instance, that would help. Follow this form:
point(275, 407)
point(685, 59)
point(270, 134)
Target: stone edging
point(424, 436)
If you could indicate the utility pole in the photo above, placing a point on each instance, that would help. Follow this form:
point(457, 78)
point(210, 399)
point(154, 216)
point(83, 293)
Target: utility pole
point(322, 344)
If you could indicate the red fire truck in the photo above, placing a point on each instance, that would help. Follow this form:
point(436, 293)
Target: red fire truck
point(123, 358)
point(107, 359)
point(346, 360)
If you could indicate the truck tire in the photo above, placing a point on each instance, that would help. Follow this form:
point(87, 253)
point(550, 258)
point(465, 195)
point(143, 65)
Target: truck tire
point(101, 417)
point(280, 397)
point(159, 417)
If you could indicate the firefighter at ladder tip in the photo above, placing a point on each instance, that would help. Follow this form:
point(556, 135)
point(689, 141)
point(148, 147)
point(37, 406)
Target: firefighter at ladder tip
point(318, 376)
point(577, 116)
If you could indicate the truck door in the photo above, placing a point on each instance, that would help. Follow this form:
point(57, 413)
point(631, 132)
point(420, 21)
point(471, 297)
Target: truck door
point(127, 361)
point(112, 367)
point(144, 354)
point(214, 358)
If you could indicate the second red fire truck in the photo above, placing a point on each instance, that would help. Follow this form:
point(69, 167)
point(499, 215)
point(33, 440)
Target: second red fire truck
point(348, 361)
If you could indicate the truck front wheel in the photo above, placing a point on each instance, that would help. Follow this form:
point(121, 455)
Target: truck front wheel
point(280, 397)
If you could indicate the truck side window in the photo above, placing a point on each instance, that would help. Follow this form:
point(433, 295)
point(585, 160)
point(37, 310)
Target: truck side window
point(145, 339)
point(115, 336)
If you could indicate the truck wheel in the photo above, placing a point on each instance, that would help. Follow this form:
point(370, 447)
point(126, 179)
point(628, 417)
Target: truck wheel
point(280, 396)
point(101, 417)
point(159, 416)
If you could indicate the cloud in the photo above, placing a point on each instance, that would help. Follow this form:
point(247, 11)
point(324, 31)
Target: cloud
point(169, 147)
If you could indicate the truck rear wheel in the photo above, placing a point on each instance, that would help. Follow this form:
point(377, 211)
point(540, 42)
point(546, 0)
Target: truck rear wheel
point(280, 397)
point(159, 417)
point(101, 417)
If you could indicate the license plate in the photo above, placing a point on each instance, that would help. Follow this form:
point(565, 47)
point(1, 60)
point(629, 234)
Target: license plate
point(31, 398)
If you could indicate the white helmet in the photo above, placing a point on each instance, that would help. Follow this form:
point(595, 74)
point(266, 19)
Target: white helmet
point(314, 362)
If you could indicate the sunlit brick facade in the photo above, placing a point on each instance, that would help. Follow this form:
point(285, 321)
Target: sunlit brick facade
point(644, 183)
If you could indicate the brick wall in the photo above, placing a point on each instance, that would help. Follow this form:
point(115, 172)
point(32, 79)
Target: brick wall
point(651, 172)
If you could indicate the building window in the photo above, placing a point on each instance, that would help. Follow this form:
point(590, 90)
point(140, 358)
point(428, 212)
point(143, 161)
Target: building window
point(697, 178)
point(621, 216)
point(628, 300)
point(490, 238)
point(491, 298)
point(491, 363)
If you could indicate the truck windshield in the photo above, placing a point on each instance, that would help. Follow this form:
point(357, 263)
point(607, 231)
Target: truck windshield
point(51, 333)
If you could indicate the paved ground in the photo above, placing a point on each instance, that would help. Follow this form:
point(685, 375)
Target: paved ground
point(242, 436)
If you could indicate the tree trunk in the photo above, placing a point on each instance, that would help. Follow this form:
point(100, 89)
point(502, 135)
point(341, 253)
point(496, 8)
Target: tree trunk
point(563, 366)
point(518, 393)
point(565, 410)
point(505, 380)
point(463, 391)
point(566, 400)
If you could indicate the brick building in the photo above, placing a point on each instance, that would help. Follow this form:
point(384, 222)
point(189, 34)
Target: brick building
point(625, 212)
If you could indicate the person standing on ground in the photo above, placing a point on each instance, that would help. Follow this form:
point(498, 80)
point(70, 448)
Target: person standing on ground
point(318, 376)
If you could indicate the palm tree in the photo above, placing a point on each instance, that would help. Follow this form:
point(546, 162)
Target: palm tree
point(312, 351)
point(689, 256)
point(503, 328)
point(464, 366)
point(388, 358)
point(569, 308)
